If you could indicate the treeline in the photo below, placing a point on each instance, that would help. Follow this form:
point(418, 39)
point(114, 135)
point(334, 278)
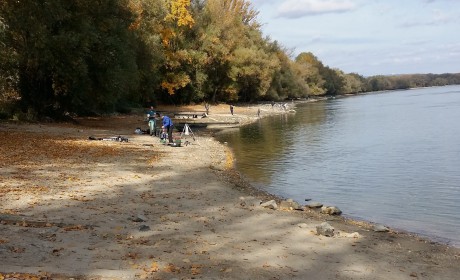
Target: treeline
point(378, 83)
point(85, 57)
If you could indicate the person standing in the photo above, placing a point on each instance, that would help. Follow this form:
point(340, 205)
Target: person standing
point(168, 126)
point(231, 109)
point(152, 122)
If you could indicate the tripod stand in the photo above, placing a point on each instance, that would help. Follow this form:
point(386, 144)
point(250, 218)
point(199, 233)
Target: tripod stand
point(187, 131)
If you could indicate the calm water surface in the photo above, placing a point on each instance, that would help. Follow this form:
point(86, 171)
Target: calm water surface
point(391, 158)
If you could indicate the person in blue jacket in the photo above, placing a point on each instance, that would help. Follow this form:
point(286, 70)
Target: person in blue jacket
point(168, 126)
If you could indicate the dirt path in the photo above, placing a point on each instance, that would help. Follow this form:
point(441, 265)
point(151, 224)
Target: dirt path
point(81, 209)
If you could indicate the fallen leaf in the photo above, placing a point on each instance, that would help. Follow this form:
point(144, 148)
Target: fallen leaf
point(171, 268)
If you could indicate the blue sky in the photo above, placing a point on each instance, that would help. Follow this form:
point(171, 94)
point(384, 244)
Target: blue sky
point(368, 37)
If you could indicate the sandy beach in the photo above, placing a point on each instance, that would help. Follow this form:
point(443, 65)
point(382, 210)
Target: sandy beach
point(74, 208)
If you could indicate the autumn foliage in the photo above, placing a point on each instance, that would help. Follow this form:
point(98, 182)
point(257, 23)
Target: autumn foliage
point(92, 57)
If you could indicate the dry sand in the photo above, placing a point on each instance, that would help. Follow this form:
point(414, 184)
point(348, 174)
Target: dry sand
point(72, 208)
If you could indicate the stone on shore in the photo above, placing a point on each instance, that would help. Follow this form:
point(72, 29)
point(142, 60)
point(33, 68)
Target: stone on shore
point(144, 228)
point(314, 204)
point(380, 228)
point(270, 205)
point(331, 210)
point(325, 229)
point(289, 204)
point(139, 218)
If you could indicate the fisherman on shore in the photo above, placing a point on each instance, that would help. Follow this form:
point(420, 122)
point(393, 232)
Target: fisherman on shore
point(168, 126)
point(152, 122)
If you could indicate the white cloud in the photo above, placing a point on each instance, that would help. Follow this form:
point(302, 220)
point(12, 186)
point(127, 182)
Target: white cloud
point(437, 18)
point(365, 36)
point(301, 8)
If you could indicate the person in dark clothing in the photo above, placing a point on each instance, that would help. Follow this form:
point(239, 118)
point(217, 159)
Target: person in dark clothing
point(168, 126)
point(152, 122)
point(231, 109)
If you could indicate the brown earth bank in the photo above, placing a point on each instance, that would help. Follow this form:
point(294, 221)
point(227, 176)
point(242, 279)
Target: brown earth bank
point(74, 208)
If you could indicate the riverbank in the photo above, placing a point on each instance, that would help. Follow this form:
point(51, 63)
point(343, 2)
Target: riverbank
point(75, 208)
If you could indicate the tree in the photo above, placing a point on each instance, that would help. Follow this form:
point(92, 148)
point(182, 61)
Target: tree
point(150, 55)
point(70, 55)
point(236, 64)
point(8, 77)
point(311, 72)
point(177, 56)
point(352, 83)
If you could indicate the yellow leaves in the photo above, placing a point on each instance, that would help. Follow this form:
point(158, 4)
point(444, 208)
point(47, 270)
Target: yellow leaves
point(80, 198)
point(175, 82)
point(73, 179)
point(132, 255)
point(147, 195)
point(171, 268)
point(167, 34)
point(153, 159)
point(229, 160)
point(229, 13)
point(180, 14)
point(74, 228)
point(149, 268)
point(32, 148)
point(17, 250)
point(135, 6)
point(153, 268)
point(22, 276)
point(196, 269)
point(19, 191)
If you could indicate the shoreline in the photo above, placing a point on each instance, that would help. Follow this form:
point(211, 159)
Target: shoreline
point(346, 218)
point(142, 210)
point(245, 185)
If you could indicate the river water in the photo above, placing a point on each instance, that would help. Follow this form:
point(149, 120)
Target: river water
point(390, 158)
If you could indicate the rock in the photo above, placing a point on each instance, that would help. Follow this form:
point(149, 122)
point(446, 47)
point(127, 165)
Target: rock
point(139, 219)
point(325, 229)
point(144, 228)
point(331, 210)
point(289, 205)
point(270, 205)
point(314, 204)
point(380, 228)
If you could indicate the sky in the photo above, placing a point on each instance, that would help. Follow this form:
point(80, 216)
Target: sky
point(368, 37)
